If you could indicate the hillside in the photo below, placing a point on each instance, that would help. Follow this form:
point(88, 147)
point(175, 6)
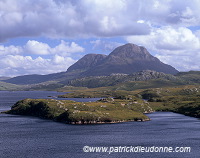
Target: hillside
point(191, 76)
point(10, 87)
point(182, 99)
point(34, 79)
point(115, 79)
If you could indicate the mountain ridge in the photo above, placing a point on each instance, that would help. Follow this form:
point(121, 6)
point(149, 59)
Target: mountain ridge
point(128, 58)
point(125, 59)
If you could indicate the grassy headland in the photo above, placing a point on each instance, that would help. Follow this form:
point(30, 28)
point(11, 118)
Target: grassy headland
point(103, 111)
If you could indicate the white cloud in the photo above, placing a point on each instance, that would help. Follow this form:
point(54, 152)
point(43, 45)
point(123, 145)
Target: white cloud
point(58, 59)
point(183, 62)
point(40, 48)
point(66, 48)
point(178, 47)
point(35, 47)
point(140, 21)
point(14, 65)
point(168, 39)
point(17, 60)
point(10, 49)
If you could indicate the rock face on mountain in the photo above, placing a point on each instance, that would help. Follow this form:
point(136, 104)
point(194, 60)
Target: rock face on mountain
point(127, 59)
point(87, 62)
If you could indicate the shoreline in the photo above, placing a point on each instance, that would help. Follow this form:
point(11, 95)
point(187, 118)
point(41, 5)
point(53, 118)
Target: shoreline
point(80, 122)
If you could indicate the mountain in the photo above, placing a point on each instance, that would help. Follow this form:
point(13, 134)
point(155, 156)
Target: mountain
point(127, 59)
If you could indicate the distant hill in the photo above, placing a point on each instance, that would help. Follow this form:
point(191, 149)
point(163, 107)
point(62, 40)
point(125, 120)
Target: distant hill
point(10, 87)
point(2, 78)
point(191, 76)
point(33, 79)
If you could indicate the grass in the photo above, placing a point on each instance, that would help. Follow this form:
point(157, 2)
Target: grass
point(96, 93)
point(103, 111)
point(181, 99)
point(8, 86)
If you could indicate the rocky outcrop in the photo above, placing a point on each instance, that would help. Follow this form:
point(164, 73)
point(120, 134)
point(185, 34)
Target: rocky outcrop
point(114, 79)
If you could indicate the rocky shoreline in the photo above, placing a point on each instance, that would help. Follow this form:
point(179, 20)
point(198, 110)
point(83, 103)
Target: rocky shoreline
point(112, 122)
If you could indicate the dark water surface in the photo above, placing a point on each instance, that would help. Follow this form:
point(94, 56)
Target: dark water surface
point(30, 137)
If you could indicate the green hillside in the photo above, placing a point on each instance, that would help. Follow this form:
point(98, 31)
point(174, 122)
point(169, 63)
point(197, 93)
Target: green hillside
point(8, 86)
point(181, 99)
point(102, 111)
point(193, 77)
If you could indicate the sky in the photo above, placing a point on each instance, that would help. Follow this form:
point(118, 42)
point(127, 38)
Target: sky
point(47, 36)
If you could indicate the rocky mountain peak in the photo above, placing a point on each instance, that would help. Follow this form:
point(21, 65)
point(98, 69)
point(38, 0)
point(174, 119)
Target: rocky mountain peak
point(131, 51)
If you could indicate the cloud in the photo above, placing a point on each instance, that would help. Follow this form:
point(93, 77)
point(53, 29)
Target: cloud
point(92, 18)
point(178, 47)
point(65, 48)
point(17, 60)
point(106, 46)
point(58, 59)
point(160, 25)
point(40, 48)
point(167, 39)
point(35, 47)
point(10, 50)
point(14, 65)
point(58, 19)
point(183, 62)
